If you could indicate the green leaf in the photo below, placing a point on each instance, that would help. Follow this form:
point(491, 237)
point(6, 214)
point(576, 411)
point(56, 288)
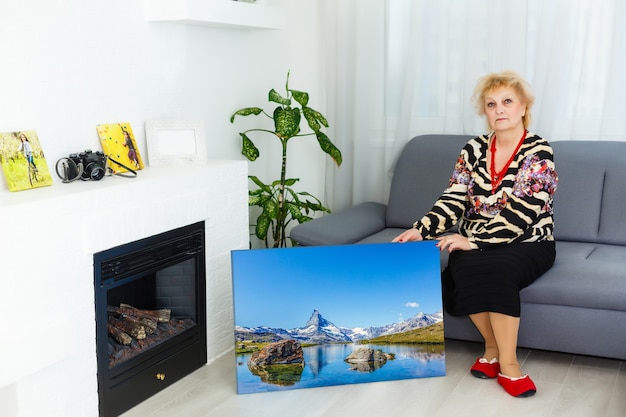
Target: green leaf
point(296, 212)
point(315, 207)
point(309, 115)
point(247, 148)
point(309, 195)
point(246, 112)
point(287, 122)
point(328, 147)
point(256, 180)
point(312, 206)
point(258, 192)
point(321, 118)
point(304, 219)
point(301, 97)
point(314, 118)
point(264, 187)
point(288, 182)
point(275, 97)
point(270, 208)
point(256, 200)
point(262, 226)
point(293, 194)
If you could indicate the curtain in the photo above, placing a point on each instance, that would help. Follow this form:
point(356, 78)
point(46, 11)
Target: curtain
point(355, 76)
point(399, 68)
point(576, 66)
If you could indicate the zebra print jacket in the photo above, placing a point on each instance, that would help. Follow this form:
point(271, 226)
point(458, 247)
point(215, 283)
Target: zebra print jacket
point(518, 209)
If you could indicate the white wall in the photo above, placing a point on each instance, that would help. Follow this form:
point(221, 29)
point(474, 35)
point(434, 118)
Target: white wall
point(69, 65)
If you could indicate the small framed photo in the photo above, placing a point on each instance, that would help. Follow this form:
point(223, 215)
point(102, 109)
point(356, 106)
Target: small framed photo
point(172, 142)
point(23, 161)
point(119, 145)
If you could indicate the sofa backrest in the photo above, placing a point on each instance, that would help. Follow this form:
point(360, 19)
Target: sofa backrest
point(589, 201)
point(421, 174)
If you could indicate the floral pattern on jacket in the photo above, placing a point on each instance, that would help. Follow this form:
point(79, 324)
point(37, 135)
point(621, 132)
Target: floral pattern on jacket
point(534, 176)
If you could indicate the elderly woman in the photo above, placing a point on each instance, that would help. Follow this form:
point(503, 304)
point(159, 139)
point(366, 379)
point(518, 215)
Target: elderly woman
point(500, 197)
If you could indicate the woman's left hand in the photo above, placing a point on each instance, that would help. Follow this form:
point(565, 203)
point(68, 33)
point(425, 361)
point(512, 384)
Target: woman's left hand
point(453, 242)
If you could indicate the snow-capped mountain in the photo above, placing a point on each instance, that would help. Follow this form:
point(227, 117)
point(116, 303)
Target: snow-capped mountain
point(265, 334)
point(318, 330)
point(416, 322)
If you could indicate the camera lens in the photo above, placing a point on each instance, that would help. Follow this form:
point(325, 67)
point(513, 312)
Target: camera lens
point(95, 172)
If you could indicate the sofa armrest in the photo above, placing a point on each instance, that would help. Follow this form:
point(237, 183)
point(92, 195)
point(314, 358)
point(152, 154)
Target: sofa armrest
point(343, 227)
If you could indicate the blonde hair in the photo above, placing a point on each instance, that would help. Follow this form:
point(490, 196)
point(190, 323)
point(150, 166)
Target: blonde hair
point(504, 79)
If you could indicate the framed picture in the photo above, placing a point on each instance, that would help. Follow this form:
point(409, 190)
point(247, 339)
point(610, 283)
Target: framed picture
point(119, 145)
point(23, 161)
point(331, 315)
point(175, 142)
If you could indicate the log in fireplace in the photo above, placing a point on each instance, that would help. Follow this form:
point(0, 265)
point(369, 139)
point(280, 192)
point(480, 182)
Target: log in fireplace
point(150, 299)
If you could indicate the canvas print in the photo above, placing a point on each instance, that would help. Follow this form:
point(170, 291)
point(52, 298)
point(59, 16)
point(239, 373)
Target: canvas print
point(330, 315)
point(23, 161)
point(118, 143)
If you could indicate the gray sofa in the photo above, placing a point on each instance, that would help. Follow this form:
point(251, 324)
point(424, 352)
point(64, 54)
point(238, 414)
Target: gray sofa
point(578, 306)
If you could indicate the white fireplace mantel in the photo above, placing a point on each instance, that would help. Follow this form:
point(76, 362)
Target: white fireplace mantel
point(49, 237)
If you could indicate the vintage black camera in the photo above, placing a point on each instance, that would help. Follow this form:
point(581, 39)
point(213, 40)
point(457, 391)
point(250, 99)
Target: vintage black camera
point(86, 165)
point(93, 164)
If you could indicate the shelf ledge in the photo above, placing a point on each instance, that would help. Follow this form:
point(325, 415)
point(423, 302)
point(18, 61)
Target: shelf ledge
point(216, 13)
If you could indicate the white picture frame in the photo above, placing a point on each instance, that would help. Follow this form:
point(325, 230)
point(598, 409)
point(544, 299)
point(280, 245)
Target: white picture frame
point(173, 141)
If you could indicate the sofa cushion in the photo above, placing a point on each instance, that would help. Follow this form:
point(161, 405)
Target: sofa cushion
point(577, 202)
point(613, 219)
point(385, 235)
point(584, 275)
point(342, 227)
point(580, 159)
point(421, 174)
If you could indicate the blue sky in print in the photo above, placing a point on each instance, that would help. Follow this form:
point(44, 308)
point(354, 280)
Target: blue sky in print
point(350, 285)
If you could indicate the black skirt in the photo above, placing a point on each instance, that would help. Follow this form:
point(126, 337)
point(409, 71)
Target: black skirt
point(476, 281)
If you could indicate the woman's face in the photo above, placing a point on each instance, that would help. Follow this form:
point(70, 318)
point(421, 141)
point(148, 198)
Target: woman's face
point(504, 109)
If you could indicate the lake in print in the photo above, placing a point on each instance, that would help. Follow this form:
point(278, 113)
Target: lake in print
point(325, 366)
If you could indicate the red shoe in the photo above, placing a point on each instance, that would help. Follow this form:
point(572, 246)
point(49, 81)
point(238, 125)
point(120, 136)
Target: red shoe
point(484, 369)
point(518, 387)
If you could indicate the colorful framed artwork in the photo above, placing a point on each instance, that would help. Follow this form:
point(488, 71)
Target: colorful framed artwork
point(23, 161)
point(119, 145)
point(319, 316)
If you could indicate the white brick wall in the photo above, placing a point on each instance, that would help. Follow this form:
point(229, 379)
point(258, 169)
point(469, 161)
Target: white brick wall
point(49, 235)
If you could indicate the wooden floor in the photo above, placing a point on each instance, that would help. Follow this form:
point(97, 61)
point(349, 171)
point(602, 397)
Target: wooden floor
point(568, 385)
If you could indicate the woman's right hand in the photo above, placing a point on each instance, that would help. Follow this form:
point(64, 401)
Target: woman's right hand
point(410, 235)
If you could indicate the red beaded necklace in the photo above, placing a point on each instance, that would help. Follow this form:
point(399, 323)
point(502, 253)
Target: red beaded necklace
point(496, 177)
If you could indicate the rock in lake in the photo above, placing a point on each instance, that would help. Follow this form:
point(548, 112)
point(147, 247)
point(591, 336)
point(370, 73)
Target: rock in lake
point(285, 352)
point(368, 355)
point(279, 363)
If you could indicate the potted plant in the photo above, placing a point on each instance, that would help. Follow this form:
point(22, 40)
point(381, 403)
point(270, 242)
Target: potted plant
point(280, 204)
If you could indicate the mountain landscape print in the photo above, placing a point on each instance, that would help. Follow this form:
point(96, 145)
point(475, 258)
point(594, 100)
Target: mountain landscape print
point(319, 316)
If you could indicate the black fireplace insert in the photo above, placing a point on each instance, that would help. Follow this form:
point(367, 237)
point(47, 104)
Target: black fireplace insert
point(150, 299)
